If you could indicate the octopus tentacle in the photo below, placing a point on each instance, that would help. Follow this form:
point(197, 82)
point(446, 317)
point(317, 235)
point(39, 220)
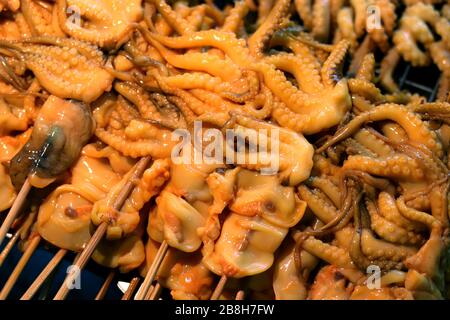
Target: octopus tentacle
point(321, 20)
point(178, 23)
point(439, 203)
point(198, 61)
point(387, 11)
point(327, 252)
point(139, 98)
point(360, 8)
point(110, 22)
point(360, 104)
point(367, 250)
point(367, 68)
point(390, 231)
point(394, 132)
point(328, 187)
point(306, 75)
point(335, 59)
point(225, 41)
point(388, 64)
point(415, 215)
point(346, 27)
point(38, 19)
point(388, 209)
point(304, 11)
point(189, 116)
point(324, 111)
point(427, 260)
point(287, 39)
point(235, 17)
point(443, 94)
point(289, 119)
point(380, 38)
point(398, 166)
point(135, 149)
point(441, 56)
point(373, 143)
point(64, 70)
point(366, 89)
point(353, 147)
point(416, 129)
point(204, 81)
point(258, 39)
point(324, 210)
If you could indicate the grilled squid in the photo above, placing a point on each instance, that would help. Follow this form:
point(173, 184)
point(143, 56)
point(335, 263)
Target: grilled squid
point(183, 273)
point(60, 131)
point(65, 216)
point(125, 254)
point(261, 216)
point(182, 207)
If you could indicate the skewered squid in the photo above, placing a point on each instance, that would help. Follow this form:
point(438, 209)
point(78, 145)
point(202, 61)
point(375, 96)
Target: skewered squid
point(64, 217)
point(184, 274)
point(261, 210)
point(55, 142)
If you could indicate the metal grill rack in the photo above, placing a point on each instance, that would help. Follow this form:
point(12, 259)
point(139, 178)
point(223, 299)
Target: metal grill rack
point(424, 81)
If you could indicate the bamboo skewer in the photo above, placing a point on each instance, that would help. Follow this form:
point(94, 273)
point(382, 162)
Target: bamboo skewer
point(15, 209)
point(81, 261)
point(102, 292)
point(240, 295)
point(101, 229)
point(149, 293)
point(46, 286)
point(9, 247)
point(35, 286)
point(19, 267)
point(133, 285)
point(219, 288)
point(152, 271)
point(154, 294)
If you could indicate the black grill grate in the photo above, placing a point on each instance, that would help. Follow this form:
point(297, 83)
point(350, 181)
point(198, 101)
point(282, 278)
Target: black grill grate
point(424, 81)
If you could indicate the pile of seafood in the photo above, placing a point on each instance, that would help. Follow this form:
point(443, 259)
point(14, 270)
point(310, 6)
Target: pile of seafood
point(87, 88)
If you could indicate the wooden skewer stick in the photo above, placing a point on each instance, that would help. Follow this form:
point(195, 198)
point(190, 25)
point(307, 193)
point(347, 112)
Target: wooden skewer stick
point(9, 247)
point(102, 292)
point(36, 285)
point(101, 229)
point(149, 293)
point(152, 271)
point(219, 288)
point(240, 295)
point(133, 285)
point(15, 209)
point(19, 267)
point(81, 261)
point(154, 294)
